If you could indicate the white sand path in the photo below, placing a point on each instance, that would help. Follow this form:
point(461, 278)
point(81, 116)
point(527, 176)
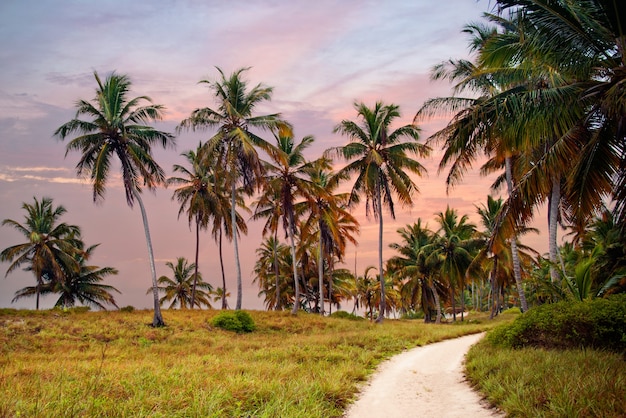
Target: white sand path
point(426, 381)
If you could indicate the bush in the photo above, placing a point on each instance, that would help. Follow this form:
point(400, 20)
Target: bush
point(598, 323)
point(237, 321)
point(346, 315)
point(128, 308)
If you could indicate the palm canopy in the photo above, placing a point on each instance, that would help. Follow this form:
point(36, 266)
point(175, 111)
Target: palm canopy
point(50, 247)
point(116, 126)
point(379, 158)
point(178, 288)
point(235, 143)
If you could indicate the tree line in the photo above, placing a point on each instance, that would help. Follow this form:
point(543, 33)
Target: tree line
point(542, 100)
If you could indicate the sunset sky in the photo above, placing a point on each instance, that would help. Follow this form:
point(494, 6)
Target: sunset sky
point(320, 57)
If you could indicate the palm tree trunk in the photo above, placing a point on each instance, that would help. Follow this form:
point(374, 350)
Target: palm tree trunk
point(195, 279)
point(233, 219)
point(493, 283)
point(157, 321)
point(224, 304)
point(553, 206)
point(517, 270)
point(320, 272)
point(276, 272)
point(296, 303)
point(380, 256)
point(331, 269)
point(437, 302)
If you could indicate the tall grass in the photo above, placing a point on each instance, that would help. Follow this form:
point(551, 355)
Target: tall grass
point(535, 382)
point(114, 364)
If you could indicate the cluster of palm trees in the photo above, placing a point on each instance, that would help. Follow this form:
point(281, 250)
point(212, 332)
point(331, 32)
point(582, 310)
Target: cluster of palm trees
point(545, 108)
point(57, 256)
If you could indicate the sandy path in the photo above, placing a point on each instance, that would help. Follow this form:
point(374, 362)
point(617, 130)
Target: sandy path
point(425, 381)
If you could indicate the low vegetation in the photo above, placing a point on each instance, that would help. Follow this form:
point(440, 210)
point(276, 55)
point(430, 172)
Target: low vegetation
point(68, 363)
point(556, 360)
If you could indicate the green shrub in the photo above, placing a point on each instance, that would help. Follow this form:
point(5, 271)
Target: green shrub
point(128, 308)
point(346, 315)
point(237, 321)
point(598, 323)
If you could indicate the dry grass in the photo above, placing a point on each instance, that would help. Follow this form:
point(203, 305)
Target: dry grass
point(114, 364)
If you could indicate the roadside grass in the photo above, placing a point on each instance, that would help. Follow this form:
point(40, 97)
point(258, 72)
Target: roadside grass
point(536, 382)
point(55, 363)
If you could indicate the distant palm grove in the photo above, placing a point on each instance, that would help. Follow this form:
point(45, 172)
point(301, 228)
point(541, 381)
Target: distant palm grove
point(542, 103)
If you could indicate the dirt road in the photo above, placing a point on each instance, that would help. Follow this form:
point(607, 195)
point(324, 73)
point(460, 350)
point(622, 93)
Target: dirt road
point(426, 381)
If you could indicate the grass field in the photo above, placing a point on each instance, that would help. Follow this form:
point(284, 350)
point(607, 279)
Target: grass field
point(56, 363)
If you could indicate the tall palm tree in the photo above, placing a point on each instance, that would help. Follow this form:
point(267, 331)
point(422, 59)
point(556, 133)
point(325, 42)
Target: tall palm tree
point(235, 142)
point(50, 248)
point(328, 222)
point(381, 160)
point(194, 196)
point(286, 180)
point(272, 271)
point(178, 288)
point(117, 127)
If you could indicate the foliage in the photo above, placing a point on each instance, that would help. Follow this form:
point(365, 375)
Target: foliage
point(238, 321)
point(598, 323)
point(346, 315)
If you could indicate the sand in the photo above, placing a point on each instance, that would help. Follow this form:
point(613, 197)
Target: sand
point(425, 381)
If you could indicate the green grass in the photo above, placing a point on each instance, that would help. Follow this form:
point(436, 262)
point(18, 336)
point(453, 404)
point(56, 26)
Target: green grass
point(114, 364)
point(536, 382)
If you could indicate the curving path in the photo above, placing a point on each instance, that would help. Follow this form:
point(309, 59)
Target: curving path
point(425, 381)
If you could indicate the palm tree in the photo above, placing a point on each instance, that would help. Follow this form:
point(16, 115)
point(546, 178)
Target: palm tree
point(365, 292)
point(235, 142)
point(329, 223)
point(117, 128)
point(195, 195)
point(585, 41)
point(412, 266)
point(272, 272)
point(50, 246)
point(380, 160)
point(455, 247)
point(178, 289)
point(84, 285)
point(286, 181)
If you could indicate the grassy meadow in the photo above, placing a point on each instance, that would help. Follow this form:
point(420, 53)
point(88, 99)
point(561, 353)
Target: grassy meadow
point(57, 363)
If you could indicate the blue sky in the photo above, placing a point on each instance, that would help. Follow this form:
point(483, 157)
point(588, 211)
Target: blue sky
point(320, 57)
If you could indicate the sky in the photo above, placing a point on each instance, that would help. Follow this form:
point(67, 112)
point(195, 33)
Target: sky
point(320, 57)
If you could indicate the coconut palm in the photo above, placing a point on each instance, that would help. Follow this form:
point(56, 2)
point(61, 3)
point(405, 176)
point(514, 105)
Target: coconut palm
point(235, 142)
point(286, 181)
point(178, 288)
point(455, 246)
point(116, 126)
point(273, 271)
point(365, 292)
point(412, 267)
point(50, 248)
point(328, 222)
point(84, 284)
point(380, 161)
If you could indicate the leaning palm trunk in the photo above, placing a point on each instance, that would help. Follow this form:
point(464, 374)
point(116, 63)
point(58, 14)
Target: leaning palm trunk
point(380, 257)
point(157, 321)
point(517, 271)
point(233, 219)
point(494, 287)
point(552, 224)
point(320, 272)
point(296, 303)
